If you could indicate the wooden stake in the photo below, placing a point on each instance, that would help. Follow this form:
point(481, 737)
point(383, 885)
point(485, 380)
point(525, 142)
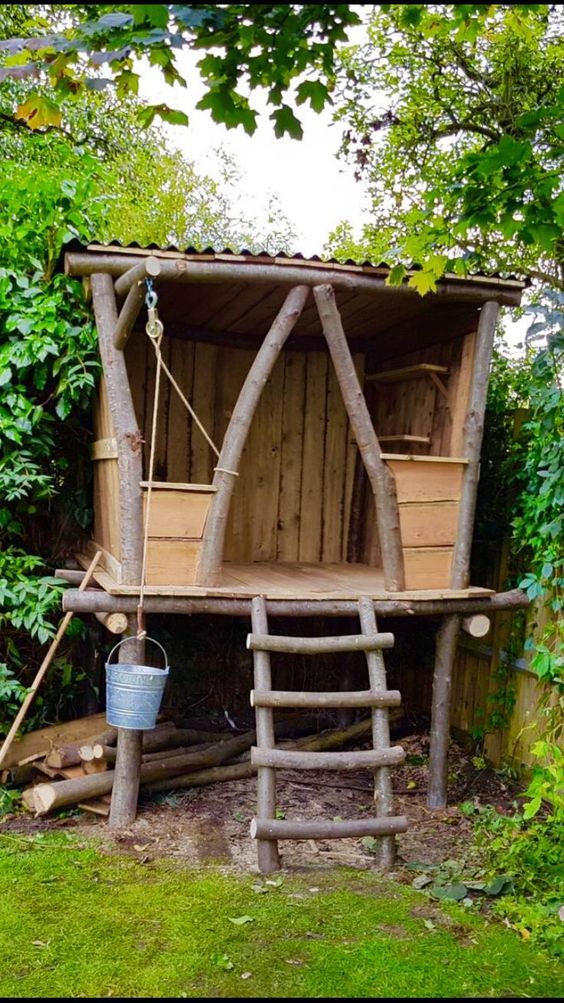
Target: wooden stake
point(45, 664)
point(237, 431)
point(380, 477)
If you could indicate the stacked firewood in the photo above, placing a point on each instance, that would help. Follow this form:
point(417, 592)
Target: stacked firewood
point(73, 763)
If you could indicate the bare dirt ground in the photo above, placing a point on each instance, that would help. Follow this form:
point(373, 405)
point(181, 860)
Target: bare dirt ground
point(211, 824)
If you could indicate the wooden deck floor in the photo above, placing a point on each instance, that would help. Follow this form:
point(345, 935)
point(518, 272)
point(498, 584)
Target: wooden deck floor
point(294, 581)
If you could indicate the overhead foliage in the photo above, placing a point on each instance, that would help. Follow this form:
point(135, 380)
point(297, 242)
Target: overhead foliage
point(288, 50)
point(453, 116)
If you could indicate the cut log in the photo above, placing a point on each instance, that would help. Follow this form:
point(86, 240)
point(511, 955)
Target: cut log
point(39, 743)
point(116, 623)
point(294, 698)
point(49, 797)
point(69, 755)
point(282, 760)
point(318, 645)
point(95, 766)
point(240, 771)
point(265, 828)
point(97, 601)
point(477, 625)
point(97, 806)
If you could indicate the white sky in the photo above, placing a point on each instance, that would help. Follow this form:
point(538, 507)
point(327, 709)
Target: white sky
point(316, 191)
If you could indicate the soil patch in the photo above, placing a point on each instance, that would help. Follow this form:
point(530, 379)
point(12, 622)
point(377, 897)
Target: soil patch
point(212, 823)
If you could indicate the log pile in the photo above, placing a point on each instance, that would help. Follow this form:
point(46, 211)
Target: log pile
point(73, 764)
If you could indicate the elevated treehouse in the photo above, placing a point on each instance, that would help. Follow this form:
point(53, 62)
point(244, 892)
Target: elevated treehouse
point(316, 440)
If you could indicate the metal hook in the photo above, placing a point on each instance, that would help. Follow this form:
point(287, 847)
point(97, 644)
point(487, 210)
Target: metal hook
point(151, 298)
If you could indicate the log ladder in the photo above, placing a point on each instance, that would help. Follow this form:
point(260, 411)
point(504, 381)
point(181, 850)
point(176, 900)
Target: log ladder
point(266, 828)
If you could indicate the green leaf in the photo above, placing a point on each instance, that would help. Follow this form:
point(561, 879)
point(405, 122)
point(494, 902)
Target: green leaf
point(315, 92)
point(397, 275)
point(156, 14)
point(424, 282)
point(454, 892)
point(499, 886)
point(286, 122)
point(39, 112)
point(421, 881)
point(240, 920)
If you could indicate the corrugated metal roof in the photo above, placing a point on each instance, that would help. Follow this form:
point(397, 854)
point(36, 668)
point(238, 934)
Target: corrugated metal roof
point(265, 257)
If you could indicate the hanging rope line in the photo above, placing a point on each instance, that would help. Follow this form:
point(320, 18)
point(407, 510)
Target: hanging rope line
point(155, 330)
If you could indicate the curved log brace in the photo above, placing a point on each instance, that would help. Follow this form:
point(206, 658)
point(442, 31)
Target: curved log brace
point(380, 477)
point(235, 437)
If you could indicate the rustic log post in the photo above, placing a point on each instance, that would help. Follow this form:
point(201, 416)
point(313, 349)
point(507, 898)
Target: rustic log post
point(267, 850)
point(381, 478)
point(130, 465)
point(255, 272)
point(125, 789)
point(237, 431)
point(130, 310)
point(98, 601)
point(125, 429)
point(448, 633)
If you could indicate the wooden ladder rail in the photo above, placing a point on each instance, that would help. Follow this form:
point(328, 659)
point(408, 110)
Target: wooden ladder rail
point(266, 828)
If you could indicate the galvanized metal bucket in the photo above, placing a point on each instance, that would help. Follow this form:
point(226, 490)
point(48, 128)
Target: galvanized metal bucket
point(134, 692)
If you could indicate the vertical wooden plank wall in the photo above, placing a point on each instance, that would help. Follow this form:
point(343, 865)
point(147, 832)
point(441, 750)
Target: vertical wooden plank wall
point(293, 494)
point(106, 481)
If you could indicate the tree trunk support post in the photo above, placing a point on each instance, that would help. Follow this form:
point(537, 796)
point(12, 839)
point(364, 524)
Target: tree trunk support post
point(237, 431)
point(130, 465)
point(448, 633)
point(380, 477)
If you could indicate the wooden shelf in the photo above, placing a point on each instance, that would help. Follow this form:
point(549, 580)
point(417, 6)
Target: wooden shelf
point(422, 440)
point(407, 373)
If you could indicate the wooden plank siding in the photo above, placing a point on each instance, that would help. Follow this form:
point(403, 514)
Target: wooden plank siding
point(293, 495)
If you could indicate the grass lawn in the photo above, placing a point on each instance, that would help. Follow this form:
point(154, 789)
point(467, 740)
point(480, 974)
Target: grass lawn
point(76, 922)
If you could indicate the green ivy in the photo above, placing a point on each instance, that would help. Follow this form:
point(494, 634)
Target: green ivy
point(48, 367)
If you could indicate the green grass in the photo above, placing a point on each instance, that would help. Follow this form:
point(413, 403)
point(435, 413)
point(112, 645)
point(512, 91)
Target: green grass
point(74, 922)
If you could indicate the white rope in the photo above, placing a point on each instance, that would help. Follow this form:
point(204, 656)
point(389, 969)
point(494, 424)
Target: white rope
point(141, 632)
point(224, 470)
point(166, 370)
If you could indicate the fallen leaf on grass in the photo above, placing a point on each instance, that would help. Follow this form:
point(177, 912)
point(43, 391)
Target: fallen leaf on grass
point(246, 975)
point(429, 924)
point(139, 848)
point(421, 881)
point(275, 882)
point(40, 943)
point(222, 961)
point(294, 961)
point(240, 920)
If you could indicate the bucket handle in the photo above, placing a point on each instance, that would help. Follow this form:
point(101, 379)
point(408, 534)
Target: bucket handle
point(124, 639)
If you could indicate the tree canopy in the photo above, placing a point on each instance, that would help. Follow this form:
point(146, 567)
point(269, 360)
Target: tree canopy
point(453, 116)
point(286, 49)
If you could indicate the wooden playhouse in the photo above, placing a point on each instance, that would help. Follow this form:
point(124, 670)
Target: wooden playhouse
point(315, 444)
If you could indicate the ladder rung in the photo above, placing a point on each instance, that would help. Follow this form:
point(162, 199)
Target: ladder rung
point(282, 760)
point(266, 828)
point(319, 645)
point(292, 698)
